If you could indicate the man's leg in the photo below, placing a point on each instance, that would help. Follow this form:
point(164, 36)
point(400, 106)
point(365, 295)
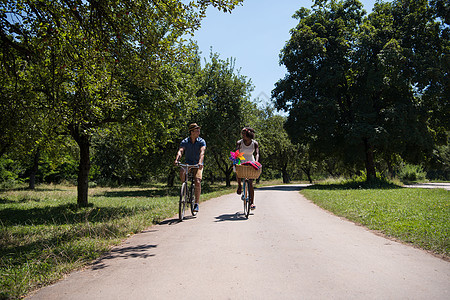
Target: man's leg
point(198, 189)
point(198, 184)
point(182, 174)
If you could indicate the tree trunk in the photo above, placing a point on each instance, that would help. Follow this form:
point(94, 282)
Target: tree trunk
point(309, 178)
point(307, 171)
point(171, 177)
point(285, 175)
point(370, 163)
point(83, 142)
point(390, 168)
point(223, 166)
point(228, 173)
point(34, 170)
point(83, 172)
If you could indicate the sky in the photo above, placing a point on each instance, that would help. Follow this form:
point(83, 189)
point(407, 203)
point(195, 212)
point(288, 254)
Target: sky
point(254, 34)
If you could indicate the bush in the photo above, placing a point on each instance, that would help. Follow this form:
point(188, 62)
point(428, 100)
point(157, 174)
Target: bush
point(9, 172)
point(411, 173)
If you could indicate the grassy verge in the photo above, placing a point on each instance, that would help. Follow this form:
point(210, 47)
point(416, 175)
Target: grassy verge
point(43, 234)
point(416, 216)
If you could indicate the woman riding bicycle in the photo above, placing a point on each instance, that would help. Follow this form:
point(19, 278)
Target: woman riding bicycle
point(248, 146)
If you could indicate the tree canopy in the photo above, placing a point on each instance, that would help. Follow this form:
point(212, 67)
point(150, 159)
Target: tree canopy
point(223, 92)
point(359, 86)
point(87, 64)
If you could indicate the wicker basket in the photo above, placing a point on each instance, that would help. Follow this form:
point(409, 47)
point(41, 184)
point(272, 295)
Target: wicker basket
point(248, 172)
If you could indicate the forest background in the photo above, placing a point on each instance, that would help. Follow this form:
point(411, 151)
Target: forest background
point(101, 93)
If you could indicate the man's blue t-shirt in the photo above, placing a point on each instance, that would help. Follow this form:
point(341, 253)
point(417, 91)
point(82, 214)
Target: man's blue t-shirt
point(192, 150)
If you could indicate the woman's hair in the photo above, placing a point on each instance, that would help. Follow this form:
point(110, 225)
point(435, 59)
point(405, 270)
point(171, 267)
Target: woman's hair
point(249, 132)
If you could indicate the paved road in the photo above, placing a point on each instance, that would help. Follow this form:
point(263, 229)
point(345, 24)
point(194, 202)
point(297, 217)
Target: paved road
point(288, 249)
point(431, 185)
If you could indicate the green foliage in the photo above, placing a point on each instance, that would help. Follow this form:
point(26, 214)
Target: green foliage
point(85, 65)
point(9, 172)
point(276, 150)
point(359, 86)
point(438, 168)
point(58, 171)
point(121, 79)
point(223, 93)
point(408, 173)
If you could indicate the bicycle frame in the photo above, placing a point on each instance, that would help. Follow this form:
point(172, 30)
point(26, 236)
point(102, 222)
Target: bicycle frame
point(187, 194)
point(245, 196)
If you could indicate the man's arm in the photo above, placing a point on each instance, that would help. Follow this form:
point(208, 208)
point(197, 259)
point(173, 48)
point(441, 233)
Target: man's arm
point(202, 156)
point(179, 153)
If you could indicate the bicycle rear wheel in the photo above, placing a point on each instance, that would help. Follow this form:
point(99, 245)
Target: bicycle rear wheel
point(246, 198)
point(182, 203)
point(192, 199)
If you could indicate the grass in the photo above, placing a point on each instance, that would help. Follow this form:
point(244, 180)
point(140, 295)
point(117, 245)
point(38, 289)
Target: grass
point(44, 235)
point(420, 217)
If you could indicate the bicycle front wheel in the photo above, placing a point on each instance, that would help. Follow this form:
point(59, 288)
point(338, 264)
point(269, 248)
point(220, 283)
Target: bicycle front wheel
point(182, 203)
point(192, 199)
point(246, 198)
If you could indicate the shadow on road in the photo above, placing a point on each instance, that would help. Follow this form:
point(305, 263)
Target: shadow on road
point(231, 217)
point(175, 220)
point(286, 188)
point(139, 251)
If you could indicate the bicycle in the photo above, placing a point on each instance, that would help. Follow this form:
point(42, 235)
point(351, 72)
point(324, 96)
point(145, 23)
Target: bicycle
point(187, 194)
point(246, 173)
point(245, 196)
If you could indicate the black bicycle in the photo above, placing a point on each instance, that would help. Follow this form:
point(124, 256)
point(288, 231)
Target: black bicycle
point(187, 193)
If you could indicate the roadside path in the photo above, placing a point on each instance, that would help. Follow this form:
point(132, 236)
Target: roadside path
point(288, 249)
point(431, 185)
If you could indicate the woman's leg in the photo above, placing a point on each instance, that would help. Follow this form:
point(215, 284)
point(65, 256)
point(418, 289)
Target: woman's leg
point(239, 189)
point(252, 192)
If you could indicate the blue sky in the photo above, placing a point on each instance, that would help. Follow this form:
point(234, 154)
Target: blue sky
point(254, 34)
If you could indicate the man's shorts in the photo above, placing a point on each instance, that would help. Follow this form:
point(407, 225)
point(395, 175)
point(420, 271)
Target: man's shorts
point(198, 173)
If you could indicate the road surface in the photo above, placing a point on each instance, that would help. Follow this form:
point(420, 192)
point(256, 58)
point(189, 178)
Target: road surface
point(288, 249)
point(431, 185)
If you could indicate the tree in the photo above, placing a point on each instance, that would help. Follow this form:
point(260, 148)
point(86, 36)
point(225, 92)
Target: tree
point(306, 160)
point(223, 92)
point(400, 63)
point(355, 86)
point(84, 58)
point(276, 150)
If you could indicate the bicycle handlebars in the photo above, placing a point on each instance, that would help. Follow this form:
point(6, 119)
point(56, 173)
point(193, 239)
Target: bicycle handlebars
point(189, 166)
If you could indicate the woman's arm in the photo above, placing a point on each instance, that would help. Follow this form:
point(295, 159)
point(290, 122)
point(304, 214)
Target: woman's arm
point(238, 145)
point(256, 150)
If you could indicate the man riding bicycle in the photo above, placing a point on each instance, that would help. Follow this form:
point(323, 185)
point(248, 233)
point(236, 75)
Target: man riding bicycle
point(194, 148)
